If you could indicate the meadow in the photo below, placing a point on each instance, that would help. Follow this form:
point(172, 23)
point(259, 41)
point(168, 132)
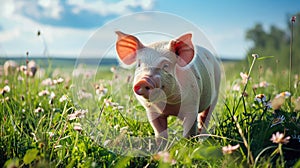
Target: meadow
point(89, 117)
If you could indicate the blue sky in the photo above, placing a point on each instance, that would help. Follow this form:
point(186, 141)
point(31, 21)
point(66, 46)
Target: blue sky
point(67, 25)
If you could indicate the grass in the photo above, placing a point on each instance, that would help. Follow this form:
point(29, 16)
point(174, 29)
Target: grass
point(38, 130)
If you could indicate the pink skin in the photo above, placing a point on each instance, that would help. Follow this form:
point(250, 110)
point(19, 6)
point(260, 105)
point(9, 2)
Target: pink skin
point(155, 78)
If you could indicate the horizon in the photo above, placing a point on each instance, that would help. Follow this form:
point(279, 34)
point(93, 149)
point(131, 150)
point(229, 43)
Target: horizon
point(66, 26)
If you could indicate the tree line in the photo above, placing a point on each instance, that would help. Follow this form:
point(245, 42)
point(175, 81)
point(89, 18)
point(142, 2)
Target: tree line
point(275, 44)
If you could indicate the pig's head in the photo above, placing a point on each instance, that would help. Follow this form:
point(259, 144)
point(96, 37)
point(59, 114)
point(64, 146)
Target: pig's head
point(155, 64)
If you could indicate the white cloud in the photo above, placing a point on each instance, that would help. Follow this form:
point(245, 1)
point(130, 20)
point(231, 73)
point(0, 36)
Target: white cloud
point(106, 8)
point(52, 8)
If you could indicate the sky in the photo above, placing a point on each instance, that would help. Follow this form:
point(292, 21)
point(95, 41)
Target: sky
point(67, 26)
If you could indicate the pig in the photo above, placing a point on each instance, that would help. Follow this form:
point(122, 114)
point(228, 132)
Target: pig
point(10, 67)
point(172, 77)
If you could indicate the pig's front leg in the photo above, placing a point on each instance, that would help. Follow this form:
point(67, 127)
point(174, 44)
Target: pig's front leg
point(159, 124)
point(190, 125)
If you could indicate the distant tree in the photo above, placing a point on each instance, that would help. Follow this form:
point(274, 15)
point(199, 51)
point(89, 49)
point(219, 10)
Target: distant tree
point(276, 43)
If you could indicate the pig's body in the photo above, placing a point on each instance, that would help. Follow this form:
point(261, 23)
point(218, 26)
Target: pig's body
point(172, 78)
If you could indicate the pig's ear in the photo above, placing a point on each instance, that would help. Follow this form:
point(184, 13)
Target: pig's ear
point(183, 48)
point(127, 46)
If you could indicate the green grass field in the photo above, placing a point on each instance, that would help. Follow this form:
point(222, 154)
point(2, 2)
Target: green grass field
point(94, 120)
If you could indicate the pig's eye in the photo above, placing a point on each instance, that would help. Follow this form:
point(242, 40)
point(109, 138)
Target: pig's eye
point(166, 66)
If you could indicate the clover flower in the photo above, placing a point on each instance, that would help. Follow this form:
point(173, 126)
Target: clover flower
point(39, 109)
point(100, 90)
point(77, 127)
point(43, 93)
point(279, 138)
point(5, 89)
point(77, 114)
point(47, 82)
point(84, 95)
point(63, 98)
point(230, 149)
point(58, 81)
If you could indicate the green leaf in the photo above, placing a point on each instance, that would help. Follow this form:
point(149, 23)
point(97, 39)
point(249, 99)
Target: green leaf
point(30, 155)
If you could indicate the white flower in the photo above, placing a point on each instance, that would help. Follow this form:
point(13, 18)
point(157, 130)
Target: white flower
point(77, 114)
point(6, 88)
point(47, 82)
point(84, 95)
point(63, 98)
point(39, 109)
point(263, 84)
point(77, 127)
point(58, 81)
point(52, 95)
point(236, 87)
point(43, 93)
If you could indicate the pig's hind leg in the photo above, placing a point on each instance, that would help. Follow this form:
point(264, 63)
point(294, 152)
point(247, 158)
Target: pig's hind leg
point(202, 116)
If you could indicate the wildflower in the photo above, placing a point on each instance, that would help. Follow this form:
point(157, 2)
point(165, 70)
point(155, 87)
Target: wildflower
point(110, 103)
point(236, 87)
point(39, 109)
point(51, 134)
point(47, 82)
point(278, 120)
point(20, 78)
point(77, 127)
point(100, 90)
point(245, 77)
point(63, 98)
point(279, 138)
point(77, 114)
point(285, 94)
point(58, 81)
point(6, 89)
point(113, 69)
point(229, 149)
point(260, 98)
point(52, 95)
point(83, 95)
point(263, 84)
point(165, 157)
point(43, 93)
point(255, 55)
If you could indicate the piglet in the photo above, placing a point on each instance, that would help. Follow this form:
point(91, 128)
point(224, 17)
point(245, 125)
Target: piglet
point(172, 78)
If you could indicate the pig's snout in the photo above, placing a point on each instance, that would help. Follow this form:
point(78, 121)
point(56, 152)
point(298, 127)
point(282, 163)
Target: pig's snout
point(144, 86)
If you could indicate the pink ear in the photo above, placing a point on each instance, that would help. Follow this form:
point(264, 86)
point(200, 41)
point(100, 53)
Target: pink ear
point(183, 48)
point(127, 46)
